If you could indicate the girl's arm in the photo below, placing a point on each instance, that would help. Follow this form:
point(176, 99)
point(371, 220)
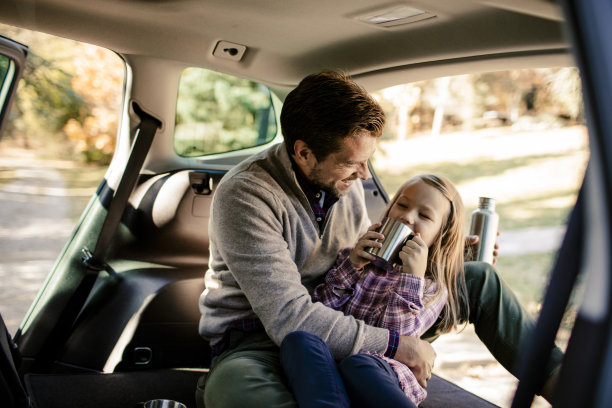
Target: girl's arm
point(410, 309)
point(338, 286)
point(340, 281)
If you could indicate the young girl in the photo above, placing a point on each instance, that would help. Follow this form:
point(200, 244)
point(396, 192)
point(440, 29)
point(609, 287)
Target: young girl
point(406, 298)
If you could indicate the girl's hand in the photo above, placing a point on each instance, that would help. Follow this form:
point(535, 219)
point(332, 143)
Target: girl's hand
point(414, 256)
point(358, 256)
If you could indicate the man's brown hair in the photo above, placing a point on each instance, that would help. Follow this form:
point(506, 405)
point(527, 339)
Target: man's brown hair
point(324, 109)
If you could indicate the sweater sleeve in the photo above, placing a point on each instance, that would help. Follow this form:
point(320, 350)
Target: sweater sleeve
point(410, 311)
point(251, 235)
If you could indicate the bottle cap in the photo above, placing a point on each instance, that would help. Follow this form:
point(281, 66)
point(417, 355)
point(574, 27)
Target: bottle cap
point(486, 203)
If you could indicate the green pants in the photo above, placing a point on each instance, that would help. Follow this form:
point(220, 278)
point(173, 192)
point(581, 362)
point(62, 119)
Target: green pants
point(249, 373)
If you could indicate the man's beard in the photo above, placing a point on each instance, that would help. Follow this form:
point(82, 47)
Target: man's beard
point(329, 188)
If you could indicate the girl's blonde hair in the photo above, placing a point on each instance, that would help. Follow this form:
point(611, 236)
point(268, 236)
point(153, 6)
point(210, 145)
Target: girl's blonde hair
point(445, 259)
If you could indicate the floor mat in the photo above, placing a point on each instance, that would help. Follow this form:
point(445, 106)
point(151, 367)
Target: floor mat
point(125, 390)
point(442, 393)
point(116, 390)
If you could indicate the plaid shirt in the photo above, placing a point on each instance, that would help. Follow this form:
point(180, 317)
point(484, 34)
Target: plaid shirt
point(401, 302)
point(319, 206)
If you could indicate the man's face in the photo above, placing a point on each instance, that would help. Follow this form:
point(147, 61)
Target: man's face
point(337, 172)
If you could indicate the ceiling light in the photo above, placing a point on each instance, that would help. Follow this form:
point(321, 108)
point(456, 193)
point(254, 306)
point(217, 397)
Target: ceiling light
point(394, 16)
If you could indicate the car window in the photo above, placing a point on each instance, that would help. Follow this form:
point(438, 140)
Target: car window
point(7, 70)
point(5, 64)
point(12, 60)
point(517, 136)
point(58, 142)
point(218, 113)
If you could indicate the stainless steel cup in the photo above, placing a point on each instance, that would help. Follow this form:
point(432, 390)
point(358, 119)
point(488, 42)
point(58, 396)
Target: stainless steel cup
point(396, 234)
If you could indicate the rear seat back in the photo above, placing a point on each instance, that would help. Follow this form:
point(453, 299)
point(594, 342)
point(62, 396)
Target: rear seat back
point(169, 218)
point(169, 224)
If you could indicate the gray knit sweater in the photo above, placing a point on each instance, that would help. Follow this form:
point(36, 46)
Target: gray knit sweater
point(267, 251)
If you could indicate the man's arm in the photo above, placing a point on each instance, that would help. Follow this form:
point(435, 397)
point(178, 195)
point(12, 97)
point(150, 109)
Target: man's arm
point(257, 245)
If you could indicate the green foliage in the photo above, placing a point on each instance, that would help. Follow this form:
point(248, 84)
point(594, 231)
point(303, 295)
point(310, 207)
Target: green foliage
point(217, 113)
point(4, 66)
point(46, 92)
point(518, 272)
point(45, 98)
point(62, 109)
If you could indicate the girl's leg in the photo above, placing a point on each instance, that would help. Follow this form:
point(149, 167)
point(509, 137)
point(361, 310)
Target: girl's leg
point(311, 372)
point(371, 382)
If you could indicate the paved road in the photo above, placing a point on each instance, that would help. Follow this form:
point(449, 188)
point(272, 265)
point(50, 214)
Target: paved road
point(530, 240)
point(37, 217)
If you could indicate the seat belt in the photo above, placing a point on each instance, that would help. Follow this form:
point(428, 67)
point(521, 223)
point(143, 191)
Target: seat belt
point(93, 262)
point(532, 372)
point(12, 390)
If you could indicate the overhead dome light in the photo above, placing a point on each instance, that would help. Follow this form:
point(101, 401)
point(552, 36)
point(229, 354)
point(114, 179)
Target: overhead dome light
point(394, 16)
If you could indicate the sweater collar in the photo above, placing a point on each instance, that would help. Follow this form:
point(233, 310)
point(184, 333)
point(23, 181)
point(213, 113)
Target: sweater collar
point(319, 200)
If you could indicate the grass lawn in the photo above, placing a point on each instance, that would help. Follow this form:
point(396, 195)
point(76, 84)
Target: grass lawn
point(528, 275)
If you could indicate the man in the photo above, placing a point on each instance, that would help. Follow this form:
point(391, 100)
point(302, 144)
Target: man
point(278, 221)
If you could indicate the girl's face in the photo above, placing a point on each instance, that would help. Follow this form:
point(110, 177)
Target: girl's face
point(423, 208)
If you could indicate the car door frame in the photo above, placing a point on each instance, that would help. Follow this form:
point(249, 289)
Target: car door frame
point(590, 345)
point(16, 53)
point(586, 370)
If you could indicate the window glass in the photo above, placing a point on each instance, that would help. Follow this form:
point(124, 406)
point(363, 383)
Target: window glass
point(4, 63)
point(55, 149)
point(218, 113)
point(7, 73)
point(516, 136)
point(4, 67)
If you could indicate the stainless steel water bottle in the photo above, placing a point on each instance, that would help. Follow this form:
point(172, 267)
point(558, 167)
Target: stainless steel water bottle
point(485, 222)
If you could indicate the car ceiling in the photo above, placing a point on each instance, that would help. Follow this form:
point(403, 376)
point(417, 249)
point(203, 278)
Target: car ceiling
point(288, 39)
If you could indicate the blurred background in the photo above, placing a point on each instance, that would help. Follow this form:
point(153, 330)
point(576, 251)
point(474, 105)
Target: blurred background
point(61, 135)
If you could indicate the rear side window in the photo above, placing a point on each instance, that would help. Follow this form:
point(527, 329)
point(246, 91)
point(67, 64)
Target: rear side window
point(218, 113)
point(5, 64)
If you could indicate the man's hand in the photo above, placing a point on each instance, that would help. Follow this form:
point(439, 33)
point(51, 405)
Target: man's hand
point(418, 355)
point(471, 241)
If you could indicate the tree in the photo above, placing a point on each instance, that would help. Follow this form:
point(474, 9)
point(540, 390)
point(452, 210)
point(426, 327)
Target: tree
point(45, 99)
point(98, 80)
point(68, 98)
point(217, 112)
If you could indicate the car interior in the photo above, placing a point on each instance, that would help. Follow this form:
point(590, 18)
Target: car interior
point(116, 321)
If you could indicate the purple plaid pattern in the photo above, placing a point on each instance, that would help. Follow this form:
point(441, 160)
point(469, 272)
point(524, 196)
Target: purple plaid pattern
point(407, 380)
point(392, 345)
point(313, 194)
point(400, 302)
